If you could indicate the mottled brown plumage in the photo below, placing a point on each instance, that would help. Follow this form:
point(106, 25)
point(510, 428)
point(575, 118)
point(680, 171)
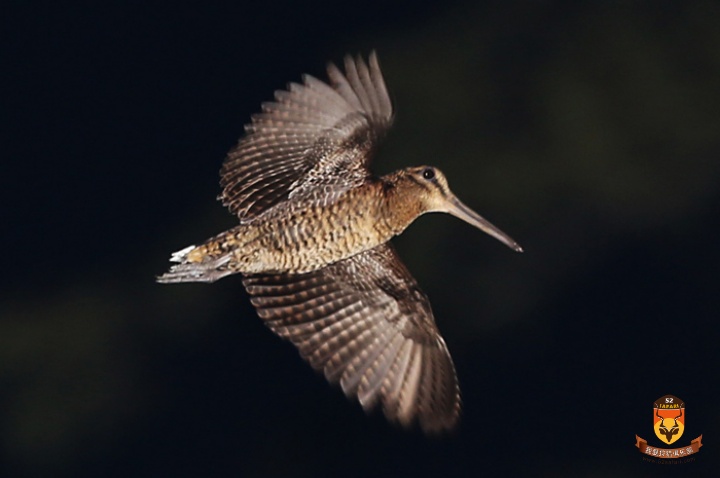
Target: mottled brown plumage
point(313, 247)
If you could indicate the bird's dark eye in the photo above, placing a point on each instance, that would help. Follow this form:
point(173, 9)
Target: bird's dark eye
point(428, 173)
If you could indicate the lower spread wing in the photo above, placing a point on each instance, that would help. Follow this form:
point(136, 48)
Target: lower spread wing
point(364, 322)
point(313, 137)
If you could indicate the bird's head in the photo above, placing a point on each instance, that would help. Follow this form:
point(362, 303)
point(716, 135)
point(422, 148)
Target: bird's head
point(429, 188)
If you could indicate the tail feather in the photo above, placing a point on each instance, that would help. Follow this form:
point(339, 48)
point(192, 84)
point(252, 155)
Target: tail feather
point(181, 255)
point(209, 269)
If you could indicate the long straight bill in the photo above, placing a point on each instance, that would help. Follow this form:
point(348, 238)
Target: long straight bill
point(461, 211)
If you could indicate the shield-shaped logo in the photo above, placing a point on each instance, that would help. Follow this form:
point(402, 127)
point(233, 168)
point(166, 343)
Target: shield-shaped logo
point(669, 418)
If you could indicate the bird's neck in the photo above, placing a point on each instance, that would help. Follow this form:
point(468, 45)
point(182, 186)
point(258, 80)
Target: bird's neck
point(399, 209)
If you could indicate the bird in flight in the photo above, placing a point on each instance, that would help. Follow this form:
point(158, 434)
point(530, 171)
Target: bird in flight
point(313, 244)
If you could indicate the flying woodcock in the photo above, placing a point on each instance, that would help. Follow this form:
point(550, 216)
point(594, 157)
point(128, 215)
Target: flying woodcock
point(313, 244)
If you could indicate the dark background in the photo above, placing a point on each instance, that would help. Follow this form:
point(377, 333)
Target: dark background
point(589, 131)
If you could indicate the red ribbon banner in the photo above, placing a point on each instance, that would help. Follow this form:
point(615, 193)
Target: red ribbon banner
point(668, 453)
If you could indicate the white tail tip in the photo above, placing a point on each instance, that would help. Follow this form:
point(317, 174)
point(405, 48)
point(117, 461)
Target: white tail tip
point(180, 255)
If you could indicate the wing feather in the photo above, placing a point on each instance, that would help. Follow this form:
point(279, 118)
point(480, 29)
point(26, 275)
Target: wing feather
point(373, 379)
point(305, 137)
point(365, 323)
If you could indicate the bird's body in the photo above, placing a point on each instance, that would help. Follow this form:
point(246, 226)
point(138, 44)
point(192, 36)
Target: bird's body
point(307, 235)
point(313, 248)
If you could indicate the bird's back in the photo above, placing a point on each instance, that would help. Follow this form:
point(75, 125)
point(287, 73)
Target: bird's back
point(304, 236)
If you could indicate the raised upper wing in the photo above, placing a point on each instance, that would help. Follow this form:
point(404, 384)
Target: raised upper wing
point(365, 323)
point(314, 140)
